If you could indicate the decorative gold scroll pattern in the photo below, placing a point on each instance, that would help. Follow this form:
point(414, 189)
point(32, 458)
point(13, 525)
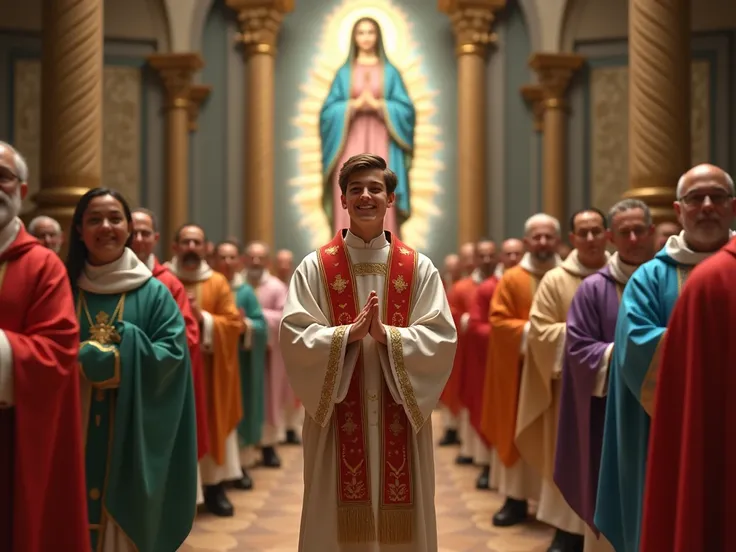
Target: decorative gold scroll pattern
point(397, 353)
point(367, 269)
point(328, 387)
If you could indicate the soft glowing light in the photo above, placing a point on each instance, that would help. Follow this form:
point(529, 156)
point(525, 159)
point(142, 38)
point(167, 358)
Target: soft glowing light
point(332, 52)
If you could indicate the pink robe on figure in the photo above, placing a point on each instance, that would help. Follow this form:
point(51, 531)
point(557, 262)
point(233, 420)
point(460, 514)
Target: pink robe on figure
point(367, 134)
point(271, 293)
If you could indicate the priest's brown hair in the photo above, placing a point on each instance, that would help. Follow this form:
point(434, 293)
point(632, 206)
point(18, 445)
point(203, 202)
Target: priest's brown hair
point(366, 162)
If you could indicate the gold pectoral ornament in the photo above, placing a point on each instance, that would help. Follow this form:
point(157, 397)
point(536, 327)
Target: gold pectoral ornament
point(102, 330)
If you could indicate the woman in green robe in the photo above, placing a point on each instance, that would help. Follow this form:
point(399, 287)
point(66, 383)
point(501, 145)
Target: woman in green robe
point(138, 410)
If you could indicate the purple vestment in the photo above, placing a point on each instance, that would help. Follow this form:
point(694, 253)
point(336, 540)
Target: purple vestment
point(591, 325)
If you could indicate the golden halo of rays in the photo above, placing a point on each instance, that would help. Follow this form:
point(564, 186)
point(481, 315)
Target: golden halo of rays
point(332, 52)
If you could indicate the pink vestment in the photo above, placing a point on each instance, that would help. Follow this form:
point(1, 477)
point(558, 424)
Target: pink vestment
point(271, 293)
point(367, 134)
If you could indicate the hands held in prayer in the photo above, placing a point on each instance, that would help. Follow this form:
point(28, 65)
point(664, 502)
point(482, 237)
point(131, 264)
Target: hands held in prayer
point(377, 330)
point(364, 321)
point(366, 102)
point(195, 307)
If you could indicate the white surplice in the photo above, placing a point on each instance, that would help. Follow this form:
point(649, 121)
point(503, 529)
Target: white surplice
point(307, 340)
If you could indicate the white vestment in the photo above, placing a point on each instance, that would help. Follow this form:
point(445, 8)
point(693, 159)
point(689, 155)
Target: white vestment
point(415, 370)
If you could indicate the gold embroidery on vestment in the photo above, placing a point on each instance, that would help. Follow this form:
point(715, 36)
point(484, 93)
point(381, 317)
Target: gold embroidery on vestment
point(328, 387)
point(339, 284)
point(397, 353)
point(367, 269)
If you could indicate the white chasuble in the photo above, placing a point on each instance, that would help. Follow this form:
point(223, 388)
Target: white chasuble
point(368, 449)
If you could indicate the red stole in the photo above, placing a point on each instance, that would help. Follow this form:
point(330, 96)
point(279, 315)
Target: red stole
point(355, 512)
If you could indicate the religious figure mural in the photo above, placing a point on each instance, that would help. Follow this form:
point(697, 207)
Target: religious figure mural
point(367, 110)
point(367, 93)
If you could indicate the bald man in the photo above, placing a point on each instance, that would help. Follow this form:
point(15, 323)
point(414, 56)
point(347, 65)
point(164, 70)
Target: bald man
point(512, 250)
point(284, 265)
point(451, 272)
point(705, 208)
point(663, 231)
point(48, 231)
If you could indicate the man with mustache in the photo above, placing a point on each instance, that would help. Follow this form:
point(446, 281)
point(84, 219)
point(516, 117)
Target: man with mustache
point(220, 325)
point(705, 209)
point(48, 232)
point(145, 239)
point(591, 322)
point(271, 293)
point(509, 317)
point(43, 496)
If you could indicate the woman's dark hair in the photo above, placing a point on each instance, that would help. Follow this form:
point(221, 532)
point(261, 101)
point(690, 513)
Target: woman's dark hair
point(77, 256)
point(379, 38)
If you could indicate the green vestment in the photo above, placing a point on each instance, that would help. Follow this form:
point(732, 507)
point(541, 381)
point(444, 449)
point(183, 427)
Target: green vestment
point(252, 366)
point(140, 443)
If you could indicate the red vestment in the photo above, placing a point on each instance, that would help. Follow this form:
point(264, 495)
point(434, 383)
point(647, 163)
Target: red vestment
point(476, 353)
point(691, 479)
point(43, 502)
point(460, 297)
point(179, 293)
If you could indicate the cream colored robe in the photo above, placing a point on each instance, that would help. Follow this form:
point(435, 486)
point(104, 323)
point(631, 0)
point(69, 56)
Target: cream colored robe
point(541, 386)
point(309, 343)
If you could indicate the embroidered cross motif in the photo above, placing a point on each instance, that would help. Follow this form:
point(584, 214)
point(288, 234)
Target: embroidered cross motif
point(404, 251)
point(338, 284)
point(332, 250)
point(400, 284)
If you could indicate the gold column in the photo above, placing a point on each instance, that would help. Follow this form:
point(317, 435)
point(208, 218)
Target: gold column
point(554, 71)
point(533, 95)
point(198, 93)
point(471, 23)
point(71, 106)
point(260, 21)
point(176, 71)
point(659, 101)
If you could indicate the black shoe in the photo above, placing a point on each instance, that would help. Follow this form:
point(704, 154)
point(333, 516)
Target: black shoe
point(483, 481)
point(292, 438)
point(464, 460)
point(216, 501)
point(566, 542)
point(513, 512)
point(450, 438)
point(245, 483)
point(270, 458)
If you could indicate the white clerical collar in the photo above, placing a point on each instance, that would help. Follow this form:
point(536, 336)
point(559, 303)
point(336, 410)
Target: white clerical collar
point(531, 264)
point(498, 272)
point(200, 274)
point(125, 274)
point(9, 233)
point(677, 248)
point(620, 271)
point(573, 265)
point(379, 242)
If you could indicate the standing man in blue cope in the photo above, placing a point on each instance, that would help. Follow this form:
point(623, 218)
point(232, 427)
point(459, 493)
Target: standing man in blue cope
point(368, 343)
point(705, 208)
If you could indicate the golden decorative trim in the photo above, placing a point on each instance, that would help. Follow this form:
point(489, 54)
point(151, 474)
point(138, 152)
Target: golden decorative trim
point(649, 385)
point(198, 94)
point(179, 103)
point(397, 353)
point(3, 270)
point(333, 364)
point(554, 103)
point(470, 49)
point(366, 269)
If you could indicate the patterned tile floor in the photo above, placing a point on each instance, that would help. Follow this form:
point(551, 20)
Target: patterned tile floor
point(267, 518)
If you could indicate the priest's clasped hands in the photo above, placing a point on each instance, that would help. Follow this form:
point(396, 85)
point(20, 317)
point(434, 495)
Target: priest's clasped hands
point(368, 322)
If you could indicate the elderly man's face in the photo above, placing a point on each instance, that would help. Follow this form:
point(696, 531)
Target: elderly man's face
point(12, 189)
point(48, 234)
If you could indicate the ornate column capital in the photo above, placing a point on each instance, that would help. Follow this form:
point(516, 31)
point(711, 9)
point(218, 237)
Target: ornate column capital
point(554, 71)
point(533, 95)
point(471, 22)
point(198, 93)
point(176, 70)
point(260, 21)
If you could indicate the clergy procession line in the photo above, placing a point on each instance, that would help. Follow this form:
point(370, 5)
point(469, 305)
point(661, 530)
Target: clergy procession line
point(560, 361)
point(132, 392)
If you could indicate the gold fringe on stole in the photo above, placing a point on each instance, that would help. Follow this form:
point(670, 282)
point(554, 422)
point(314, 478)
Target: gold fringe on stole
point(396, 525)
point(355, 523)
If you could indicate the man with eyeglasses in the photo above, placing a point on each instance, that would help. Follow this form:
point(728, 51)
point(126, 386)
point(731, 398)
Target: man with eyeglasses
point(705, 208)
point(41, 443)
point(541, 384)
point(591, 323)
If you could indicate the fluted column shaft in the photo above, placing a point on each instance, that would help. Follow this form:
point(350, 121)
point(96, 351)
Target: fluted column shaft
point(554, 71)
point(260, 21)
point(659, 101)
point(176, 70)
point(71, 105)
point(472, 21)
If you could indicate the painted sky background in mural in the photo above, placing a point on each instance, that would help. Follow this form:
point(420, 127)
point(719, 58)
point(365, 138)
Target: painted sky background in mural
point(419, 43)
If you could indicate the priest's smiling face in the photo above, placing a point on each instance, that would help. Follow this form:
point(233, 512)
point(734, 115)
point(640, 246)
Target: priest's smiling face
point(366, 201)
point(105, 230)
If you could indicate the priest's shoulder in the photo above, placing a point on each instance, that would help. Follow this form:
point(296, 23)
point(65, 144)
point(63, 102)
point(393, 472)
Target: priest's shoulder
point(514, 276)
point(713, 276)
point(37, 257)
point(219, 280)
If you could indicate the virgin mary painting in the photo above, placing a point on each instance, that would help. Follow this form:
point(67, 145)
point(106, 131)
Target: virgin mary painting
point(367, 110)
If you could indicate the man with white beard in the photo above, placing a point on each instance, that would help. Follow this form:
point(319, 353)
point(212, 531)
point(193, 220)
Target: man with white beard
point(48, 232)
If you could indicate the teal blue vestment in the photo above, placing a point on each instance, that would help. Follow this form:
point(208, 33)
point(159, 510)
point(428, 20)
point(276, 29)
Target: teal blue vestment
point(140, 435)
point(646, 305)
point(399, 116)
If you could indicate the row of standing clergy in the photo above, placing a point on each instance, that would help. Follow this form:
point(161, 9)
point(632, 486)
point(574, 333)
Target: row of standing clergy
point(573, 358)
